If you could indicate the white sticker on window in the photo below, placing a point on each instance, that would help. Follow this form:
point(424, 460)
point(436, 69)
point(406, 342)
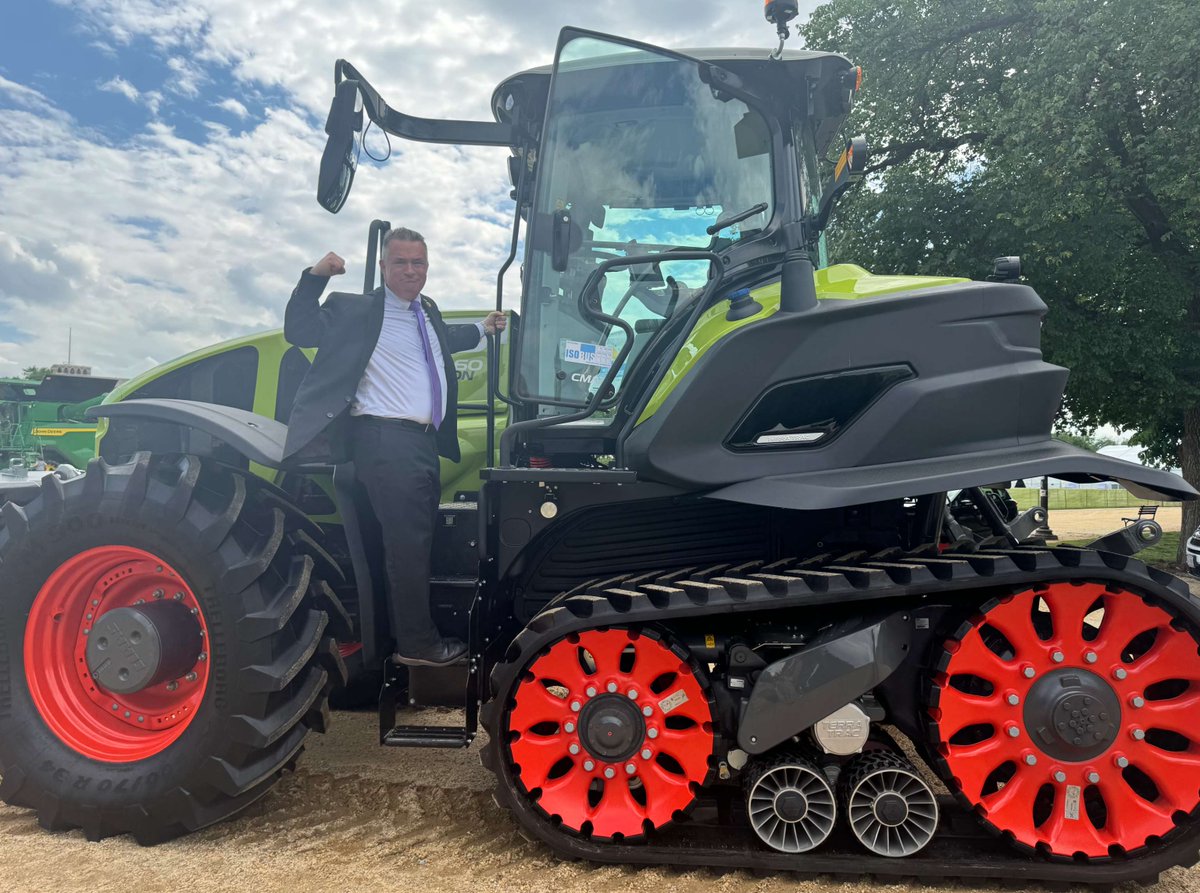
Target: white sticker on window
point(587, 354)
point(671, 701)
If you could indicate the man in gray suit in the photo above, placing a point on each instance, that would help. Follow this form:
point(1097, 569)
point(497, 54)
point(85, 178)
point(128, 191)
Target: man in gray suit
point(382, 391)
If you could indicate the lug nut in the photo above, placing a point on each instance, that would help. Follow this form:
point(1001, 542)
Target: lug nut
point(1094, 777)
point(1057, 657)
point(633, 694)
point(1029, 672)
point(195, 611)
point(575, 706)
point(172, 685)
point(178, 596)
point(569, 727)
point(115, 707)
point(95, 603)
point(1119, 673)
point(1137, 701)
point(574, 749)
point(588, 765)
point(1138, 735)
point(191, 677)
point(646, 754)
point(202, 657)
point(1060, 776)
point(1090, 657)
point(127, 714)
point(1014, 700)
point(612, 687)
point(141, 719)
point(630, 768)
point(1012, 730)
point(591, 691)
point(647, 710)
point(1121, 761)
point(651, 733)
point(610, 772)
point(1030, 760)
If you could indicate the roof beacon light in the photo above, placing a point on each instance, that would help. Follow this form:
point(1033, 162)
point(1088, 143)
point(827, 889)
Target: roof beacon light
point(779, 13)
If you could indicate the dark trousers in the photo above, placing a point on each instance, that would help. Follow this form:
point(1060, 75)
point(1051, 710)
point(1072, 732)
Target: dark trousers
point(399, 468)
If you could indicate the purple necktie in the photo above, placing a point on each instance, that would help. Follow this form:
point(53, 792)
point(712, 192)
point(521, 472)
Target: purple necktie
point(435, 381)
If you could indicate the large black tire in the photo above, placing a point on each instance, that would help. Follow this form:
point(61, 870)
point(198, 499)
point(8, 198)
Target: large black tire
point(253, 568)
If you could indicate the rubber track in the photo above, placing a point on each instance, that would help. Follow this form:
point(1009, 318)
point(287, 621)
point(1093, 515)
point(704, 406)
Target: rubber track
point(659, 599)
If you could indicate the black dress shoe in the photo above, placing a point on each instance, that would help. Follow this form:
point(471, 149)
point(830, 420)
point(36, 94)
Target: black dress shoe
point(447, 651)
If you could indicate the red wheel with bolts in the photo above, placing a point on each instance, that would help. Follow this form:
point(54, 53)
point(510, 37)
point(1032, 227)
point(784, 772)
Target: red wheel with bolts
point(1065, 715)
point(74, 640)
point(610, 732)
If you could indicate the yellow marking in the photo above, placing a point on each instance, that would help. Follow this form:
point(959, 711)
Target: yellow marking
point(59, 432)
point(842, 161)
point(710, 641)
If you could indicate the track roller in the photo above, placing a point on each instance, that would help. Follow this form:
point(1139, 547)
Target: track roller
point(791, 806)
point(889, 807)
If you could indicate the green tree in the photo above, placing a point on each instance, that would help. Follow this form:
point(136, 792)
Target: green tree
point(1061, 130)
point(35, 373)
point(1084, 441)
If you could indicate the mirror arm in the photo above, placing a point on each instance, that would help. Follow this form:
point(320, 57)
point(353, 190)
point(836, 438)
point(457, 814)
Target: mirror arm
point(427, 130)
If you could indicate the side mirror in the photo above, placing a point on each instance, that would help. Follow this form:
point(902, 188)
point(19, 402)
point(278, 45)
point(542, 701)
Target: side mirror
point(851, 165)
point(338, 161)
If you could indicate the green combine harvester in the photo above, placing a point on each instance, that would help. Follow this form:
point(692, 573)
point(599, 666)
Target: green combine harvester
point(44, 420)
point(734, 562)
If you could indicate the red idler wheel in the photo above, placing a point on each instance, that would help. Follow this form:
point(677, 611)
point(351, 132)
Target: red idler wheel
point(610, 732)
point(1065, 716)
point(93, 720)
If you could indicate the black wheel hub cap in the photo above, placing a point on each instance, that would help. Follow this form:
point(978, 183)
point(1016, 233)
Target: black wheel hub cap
point(791, 806)
point(611, 728)
point(131, 649)
point(1072, 715)
point(891, 809)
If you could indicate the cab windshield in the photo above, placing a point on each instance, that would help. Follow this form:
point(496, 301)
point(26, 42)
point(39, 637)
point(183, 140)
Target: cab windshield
point(639, 157)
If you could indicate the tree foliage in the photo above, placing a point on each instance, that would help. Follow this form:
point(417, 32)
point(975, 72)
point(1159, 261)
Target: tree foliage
point(1065, 131)
point(35, 373)
point(1090, 442)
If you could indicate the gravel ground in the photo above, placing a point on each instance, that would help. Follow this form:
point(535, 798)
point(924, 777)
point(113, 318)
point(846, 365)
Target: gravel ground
point(357, 816)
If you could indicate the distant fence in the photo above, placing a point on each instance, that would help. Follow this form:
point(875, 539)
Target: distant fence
point(1083, 498)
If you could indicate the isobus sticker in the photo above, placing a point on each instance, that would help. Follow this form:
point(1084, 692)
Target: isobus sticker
point(670, 702)
point(587, 354)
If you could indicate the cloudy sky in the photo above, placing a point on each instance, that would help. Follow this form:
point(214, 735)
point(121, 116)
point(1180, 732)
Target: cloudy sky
point(158, 158)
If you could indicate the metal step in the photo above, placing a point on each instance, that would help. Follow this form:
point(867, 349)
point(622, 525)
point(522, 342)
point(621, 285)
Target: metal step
point(428, 736)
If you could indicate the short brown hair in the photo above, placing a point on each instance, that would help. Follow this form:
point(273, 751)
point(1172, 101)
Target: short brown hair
point(402, 234)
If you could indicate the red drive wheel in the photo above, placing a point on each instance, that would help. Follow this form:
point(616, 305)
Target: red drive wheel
point(115, 654)
point(1066, 717)
point(610, 732)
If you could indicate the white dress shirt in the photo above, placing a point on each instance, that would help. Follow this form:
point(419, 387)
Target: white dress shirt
point(396, 383)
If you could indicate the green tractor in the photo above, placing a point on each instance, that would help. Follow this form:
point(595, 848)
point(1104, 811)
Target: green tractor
point(741, 586)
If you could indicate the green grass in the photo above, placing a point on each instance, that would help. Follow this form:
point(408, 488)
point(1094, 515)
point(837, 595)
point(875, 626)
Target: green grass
point(1068, 498)
point(1162, 554)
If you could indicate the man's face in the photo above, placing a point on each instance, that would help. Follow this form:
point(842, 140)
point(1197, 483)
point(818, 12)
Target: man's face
point(404, 267)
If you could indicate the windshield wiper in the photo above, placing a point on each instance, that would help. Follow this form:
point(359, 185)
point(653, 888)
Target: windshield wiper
point(723, 222)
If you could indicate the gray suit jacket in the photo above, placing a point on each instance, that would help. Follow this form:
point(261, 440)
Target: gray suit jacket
point(344, 330)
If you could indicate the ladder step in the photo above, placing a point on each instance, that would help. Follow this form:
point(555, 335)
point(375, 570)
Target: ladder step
point(427, 736)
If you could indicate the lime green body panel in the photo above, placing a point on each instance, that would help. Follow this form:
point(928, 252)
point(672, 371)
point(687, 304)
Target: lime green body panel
point(271, 346)
point(840, 282)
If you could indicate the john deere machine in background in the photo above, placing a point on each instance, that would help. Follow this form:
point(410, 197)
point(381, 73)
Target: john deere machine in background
point(738, 565)
point(44, 420)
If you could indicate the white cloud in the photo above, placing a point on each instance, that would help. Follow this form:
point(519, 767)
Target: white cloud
point(234, 107)
point(118, 84)
point(157, 245)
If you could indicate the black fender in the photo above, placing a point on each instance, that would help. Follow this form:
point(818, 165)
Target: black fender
point(256, 437)
point(841, 487)
point(843, 663)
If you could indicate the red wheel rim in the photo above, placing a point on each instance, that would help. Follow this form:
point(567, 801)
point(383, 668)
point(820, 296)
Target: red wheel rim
point(1066, 716)
point(611, 733)
point(90, 720)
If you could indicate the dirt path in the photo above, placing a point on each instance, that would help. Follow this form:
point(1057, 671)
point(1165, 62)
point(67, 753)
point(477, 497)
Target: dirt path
point(352, 819)
point(1074, 524)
